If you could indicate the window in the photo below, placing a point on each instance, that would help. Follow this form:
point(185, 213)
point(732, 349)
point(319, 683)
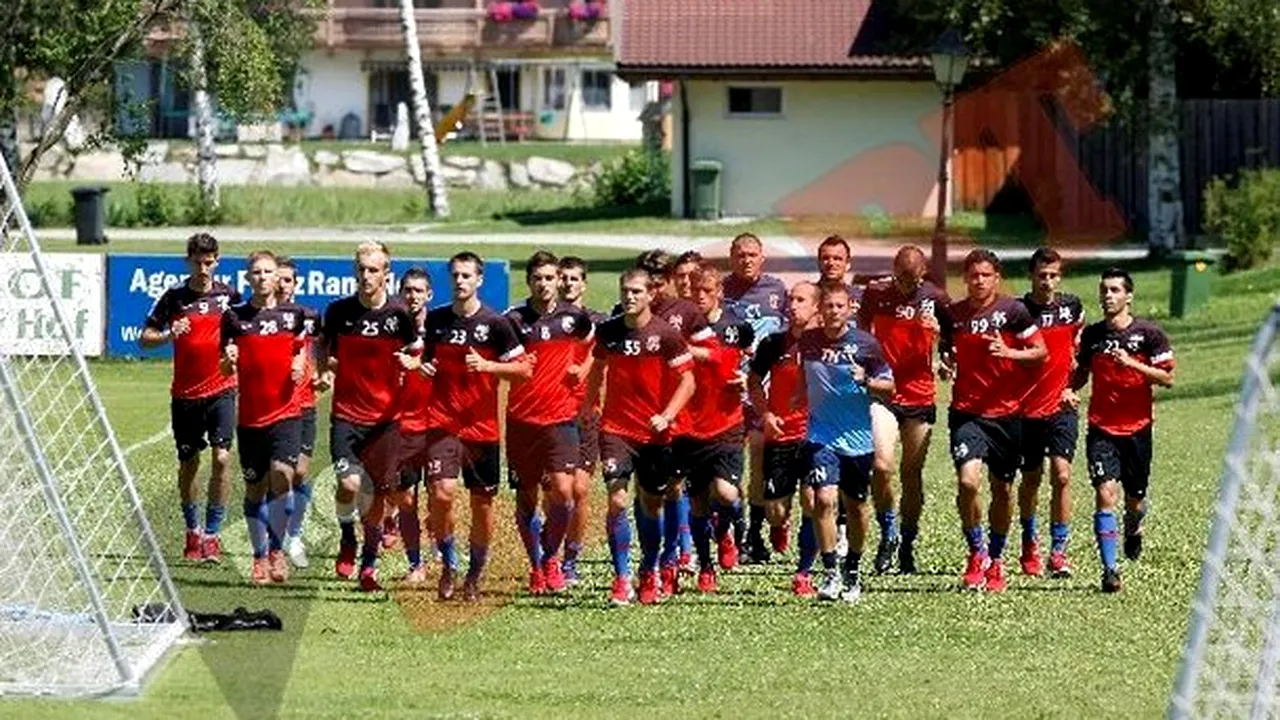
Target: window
point(553, 82)
point(755, 101)
point(596, 89)
point(639, 97)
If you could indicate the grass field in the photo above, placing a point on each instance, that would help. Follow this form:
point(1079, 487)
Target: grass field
point(915, 647)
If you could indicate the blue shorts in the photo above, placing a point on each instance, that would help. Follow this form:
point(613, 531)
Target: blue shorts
point(851, 473)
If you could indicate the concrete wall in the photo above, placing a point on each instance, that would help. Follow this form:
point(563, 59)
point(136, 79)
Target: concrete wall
point(836, 148)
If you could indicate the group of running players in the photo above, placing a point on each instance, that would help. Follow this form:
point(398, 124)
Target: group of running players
point(693, 375)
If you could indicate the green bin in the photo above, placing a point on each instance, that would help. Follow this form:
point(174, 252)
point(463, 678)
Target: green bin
point(705, 175)
point(1192, 272)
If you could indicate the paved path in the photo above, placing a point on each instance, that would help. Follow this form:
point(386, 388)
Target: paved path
point(790, 258)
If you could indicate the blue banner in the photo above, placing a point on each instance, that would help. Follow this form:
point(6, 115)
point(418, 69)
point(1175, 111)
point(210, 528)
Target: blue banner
point(135, 282)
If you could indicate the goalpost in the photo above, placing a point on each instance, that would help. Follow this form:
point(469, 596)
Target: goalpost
point(87, 606)
point(1232, 652)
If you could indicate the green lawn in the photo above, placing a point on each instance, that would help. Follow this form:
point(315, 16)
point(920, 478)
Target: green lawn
point(915, 647)
point(578, 153)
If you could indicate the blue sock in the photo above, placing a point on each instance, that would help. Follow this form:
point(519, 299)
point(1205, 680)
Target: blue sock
point(301, 500)
point(829, 560)
point(702, 531)
point(279, 509)
point(1105, 529)
point(191, 516)
point(685, 522)
point(650, 528)
point(213, 517)
point(973, 537)
point(479, 558)
point(728, 517)
point(372, 544)
point(808, 545)
point(256, 522)
point(529, 524)
point(448, 553)
point(1059, 532)
point(1133, 519)
point(1030, 533)
point(888, 525)
point(909, 533)
point(620, 542)
point(670, 531)
point(995, 544)
point(571, 551)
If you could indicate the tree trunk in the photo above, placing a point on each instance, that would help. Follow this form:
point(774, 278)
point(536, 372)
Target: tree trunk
point(1164, 169)
point(436, 194)
point(9, 100)
point(206, 155)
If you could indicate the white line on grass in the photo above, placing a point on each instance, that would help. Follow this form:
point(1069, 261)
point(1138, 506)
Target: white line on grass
point(158, 437)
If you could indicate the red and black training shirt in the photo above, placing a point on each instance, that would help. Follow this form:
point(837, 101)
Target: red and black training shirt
point(986, 385)
point(777, 358)
point(556, 338)
point(716, 406)
point(1121, 401)
point(897, 320)
point(266, 340)
point(197, 353)
point(1060, 321)
point(415, 396)
point(310, 332)
point(465, 403)
point(643, 367)
point(364, 341)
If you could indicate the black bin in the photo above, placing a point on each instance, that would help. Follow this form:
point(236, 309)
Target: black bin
point(90, 214)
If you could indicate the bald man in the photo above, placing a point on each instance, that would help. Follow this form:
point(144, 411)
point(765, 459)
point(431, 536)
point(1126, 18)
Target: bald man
point(901, 312)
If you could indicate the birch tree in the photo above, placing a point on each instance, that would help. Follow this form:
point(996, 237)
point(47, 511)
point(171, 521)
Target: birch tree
point(437, 195)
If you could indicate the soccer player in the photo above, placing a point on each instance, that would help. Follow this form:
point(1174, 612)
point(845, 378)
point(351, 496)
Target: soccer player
point(686, 265)
point(1050, 424)
point(363, 336)
point(717, 424)
point(901, 312)
point(843, 368)
point(784, 422)
point(414, 424)
point(203, 405)
point(685, 317)
point(835, 260)
point(1126, 356)
point(573, 288)
point(472, 348)
point(758, 299)
point(647, 372)
point(263, 346)
point(286, 290)
point(542, 418)
point(987, 336)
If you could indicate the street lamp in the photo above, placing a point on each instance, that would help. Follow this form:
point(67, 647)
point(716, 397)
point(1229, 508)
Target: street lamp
point(950, 60)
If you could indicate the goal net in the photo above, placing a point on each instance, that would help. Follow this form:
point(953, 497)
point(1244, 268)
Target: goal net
point(1232, 653)
point(87, 606)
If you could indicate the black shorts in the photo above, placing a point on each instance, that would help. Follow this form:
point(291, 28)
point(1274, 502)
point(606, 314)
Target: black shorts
point(308, 420)
point(589, 440)
point(650, 463)
point(1126, 458)
point(785, 465)
point(202, 423)
point(717, 458)
point(413, 458)
point(372, 450)
point(995, 441)
point(262, 446)
point(679, 456)
point(535, 451)
point(1054, 436)
point(448, 456)
point(753, 420)
point(927, 414)
point(851, 473)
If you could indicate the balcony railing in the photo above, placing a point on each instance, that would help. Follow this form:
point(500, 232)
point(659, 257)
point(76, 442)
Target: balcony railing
point(459, 29)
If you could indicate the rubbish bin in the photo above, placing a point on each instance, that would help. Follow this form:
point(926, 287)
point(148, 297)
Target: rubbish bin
point(90, 215)
point(1191, 277)
point(706, 189)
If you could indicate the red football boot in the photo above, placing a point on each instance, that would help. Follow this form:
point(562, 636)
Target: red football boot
point(802, 585)
point(345, 566)
point(1059, 566)
point(669, 580)
point(707, 581)
point(369, 580)
point(975, 571)
point(727, 552)
point(261, 572)
point(554, 574)
point(996, 582)
point(537, 582)
point(1030, 560)
point(648, 587)
point(622, 593)
point(278, 566)
point(211, 549)
point(780, 537)
point(191, 548)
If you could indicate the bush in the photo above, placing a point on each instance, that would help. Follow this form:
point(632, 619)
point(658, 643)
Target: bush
point(1245, 216)
point(641, 177)
point(156, 207)
point(48, 211)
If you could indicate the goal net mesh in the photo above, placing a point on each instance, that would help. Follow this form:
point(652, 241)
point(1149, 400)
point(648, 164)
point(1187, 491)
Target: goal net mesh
point(86, 602)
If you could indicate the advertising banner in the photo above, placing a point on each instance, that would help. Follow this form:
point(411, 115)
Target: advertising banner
point(28, 325)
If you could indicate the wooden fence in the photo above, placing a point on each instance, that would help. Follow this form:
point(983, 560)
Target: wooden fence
point(1036, 159)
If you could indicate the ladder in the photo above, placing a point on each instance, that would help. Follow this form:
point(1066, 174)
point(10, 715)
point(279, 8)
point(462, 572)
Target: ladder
point(489, 117)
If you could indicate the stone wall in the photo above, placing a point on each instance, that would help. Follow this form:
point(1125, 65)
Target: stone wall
point(289, 165)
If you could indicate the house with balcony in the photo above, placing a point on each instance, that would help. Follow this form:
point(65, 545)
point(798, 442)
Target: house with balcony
point(543, 69)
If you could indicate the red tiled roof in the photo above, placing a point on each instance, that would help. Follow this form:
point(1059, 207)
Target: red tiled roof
point(763, 34)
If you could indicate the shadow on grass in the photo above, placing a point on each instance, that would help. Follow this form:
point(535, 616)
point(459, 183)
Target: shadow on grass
point(585, 214)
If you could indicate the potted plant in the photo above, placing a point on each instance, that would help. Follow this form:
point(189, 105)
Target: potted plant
point(501, 11)
point(586, 11)
point(525, 10)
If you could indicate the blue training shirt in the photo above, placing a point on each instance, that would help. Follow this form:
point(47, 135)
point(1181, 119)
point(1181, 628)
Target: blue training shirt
point(762, 303)
point(839, 408)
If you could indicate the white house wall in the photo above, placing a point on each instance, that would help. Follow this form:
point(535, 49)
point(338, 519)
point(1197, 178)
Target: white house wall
point(838, 147)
